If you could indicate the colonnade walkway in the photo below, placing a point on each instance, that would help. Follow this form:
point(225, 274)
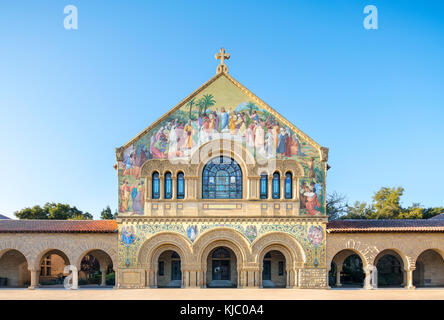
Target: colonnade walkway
point(222, 294)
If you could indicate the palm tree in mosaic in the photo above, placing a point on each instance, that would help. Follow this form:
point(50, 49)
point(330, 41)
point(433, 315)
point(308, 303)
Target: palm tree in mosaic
point(190, 104)
point(201, 104)
point(208, 101)
point(251, 106)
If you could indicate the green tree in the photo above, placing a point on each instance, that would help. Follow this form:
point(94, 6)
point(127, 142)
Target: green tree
point(106, 214)
point(359, 210)
point(53, 211)
point(431, 212)
point(35, 212)
point(336, 205)
point(386, 203)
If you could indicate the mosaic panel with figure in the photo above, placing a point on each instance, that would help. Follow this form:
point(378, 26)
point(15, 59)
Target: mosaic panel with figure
point(220, 110)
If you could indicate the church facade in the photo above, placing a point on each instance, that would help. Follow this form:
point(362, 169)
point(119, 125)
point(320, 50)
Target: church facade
point(223, 191)
point(215, 186)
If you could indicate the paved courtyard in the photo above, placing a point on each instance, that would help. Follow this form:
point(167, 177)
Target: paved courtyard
point(220, 294)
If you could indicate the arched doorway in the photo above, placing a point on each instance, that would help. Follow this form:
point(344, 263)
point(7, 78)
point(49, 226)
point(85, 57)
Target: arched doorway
point(429, 270)
point(222, 268)
point(169, 270)
point(390, 268)
point(274, 274)
point(14, 270)
point(346, 270)
point(52, 265)
point(96, 269)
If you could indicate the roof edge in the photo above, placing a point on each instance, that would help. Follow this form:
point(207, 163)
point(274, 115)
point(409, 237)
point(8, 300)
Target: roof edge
point(323, 151)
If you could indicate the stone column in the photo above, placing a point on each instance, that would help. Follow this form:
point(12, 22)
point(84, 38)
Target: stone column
point(338, 278)
point(155, 278)
point(409, 284)
point(173, 187)
point(296, 278)
point(34, 279)
point(374, 277)
point(270, 187)
point(103, 283)
point(148, 186)
point(282, 187)
point(295, 188)
point(185, 279)
point(367, 280)
point(204, 278)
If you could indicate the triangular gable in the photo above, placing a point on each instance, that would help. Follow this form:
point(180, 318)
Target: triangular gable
point(244, 90)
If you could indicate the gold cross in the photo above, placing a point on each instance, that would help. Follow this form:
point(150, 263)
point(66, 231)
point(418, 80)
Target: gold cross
point(222, 67)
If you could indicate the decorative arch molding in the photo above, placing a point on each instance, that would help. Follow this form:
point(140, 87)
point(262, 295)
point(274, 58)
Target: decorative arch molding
point(153, 247)
point(42, 250)
point(435, 245)
point(240, 257)
point(283, 166)
point(223, 147)
point(287, 245)
point(8, 245)
point(339, 258)
point(163, 165)
point(407, 261)
point(109, 252)
point(366, 251)
point(226, 237)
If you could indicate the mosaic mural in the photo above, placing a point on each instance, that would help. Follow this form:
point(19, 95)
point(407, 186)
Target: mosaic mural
point(218, 110)
point(310, 236)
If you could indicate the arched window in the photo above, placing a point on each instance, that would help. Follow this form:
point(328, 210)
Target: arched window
point(168, 186)
point(156, 186)
point(264, 186)
point(276, 185)
point(180, 186)
point(222, 179)
point(288, 185)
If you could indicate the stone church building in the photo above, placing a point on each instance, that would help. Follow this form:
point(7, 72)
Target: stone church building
point(223, 191)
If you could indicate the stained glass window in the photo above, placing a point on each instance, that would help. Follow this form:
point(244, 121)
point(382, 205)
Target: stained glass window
point(222, 179)
point(276, 186)
point(288, 185)
point(264, 186)
point(180, 186)
point(168, 186)
point(156, 186)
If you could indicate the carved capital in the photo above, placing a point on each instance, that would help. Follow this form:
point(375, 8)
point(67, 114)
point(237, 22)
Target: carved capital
point(119, 154)
point(324, 154)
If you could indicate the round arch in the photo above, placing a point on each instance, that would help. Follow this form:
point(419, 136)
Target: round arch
point(62, 252)
point(293, 249)
point(104, 251)
point(155, 245)
point(405, 261)
point(353, 273)
point(226, 148)
point(14, 268)
point(429, 269)
point(209, 240)
point(365, 251)
point(390, 274)
point(340, 256)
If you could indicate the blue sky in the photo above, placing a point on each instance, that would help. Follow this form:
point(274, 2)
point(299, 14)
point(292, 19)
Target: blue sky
point(68, 98)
